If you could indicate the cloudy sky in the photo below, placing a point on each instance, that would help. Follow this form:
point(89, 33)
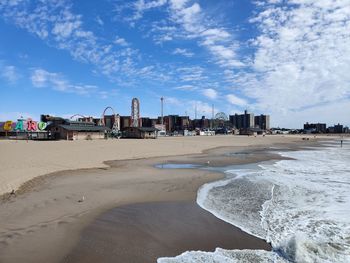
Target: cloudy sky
point(289, 59)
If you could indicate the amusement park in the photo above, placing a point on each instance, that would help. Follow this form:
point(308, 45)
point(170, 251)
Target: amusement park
point(112, 125)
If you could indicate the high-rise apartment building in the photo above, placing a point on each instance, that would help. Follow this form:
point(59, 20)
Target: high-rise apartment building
point(262, 121)
point(242, 121)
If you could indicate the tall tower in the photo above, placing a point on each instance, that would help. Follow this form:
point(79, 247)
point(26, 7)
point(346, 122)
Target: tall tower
point(212, 116)
point(161, 102)
point(135, 113)
point(195, 110)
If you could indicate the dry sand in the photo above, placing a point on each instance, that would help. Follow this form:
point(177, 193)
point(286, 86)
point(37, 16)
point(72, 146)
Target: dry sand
point(43, 222)
point(21, 161)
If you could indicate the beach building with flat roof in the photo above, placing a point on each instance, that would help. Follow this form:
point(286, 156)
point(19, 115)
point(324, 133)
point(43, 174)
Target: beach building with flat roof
point(77, 130)
point(140, 132)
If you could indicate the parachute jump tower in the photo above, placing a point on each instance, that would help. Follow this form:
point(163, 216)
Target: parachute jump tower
point(135, 113)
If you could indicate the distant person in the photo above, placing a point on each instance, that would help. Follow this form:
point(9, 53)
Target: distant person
point(341, 143)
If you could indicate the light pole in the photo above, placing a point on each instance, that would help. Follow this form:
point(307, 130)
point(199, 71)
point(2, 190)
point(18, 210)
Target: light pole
point(195, 110)
point(212, 117)
point(161, 102)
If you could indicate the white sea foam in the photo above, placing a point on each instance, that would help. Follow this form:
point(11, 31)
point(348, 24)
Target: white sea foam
point(301, 206)
point(225, 256)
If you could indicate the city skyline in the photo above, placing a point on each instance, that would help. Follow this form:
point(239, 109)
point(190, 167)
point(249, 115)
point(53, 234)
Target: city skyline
point(288, 60)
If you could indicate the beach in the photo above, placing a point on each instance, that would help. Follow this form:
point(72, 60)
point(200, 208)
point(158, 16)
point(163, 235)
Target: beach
point(63, 188)
point(21, 161)
point(160, 229)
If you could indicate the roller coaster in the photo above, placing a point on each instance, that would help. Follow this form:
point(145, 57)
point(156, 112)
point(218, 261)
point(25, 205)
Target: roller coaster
point(116, 124)
point(77, 115)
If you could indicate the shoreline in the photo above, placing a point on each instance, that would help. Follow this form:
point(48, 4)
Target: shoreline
point(64, 189)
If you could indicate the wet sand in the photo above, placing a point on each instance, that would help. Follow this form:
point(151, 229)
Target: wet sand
point(145, 232)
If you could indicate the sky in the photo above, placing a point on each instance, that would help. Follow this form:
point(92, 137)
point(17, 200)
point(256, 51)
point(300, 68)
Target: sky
point(289, 59)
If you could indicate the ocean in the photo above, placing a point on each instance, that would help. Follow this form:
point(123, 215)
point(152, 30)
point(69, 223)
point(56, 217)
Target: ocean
point(300, 206)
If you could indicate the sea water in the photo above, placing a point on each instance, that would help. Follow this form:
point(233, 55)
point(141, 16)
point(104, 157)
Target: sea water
point(301, 206)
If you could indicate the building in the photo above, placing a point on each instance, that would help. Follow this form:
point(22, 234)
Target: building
point(77, 130)
point(184, 123)
point(172, 123)
point(124, 122)
point(251, 131)
point(338, 128)
point(243, 121)
point(161, 130)
point(315, 127)
point(202, 123)
point(262, 121)
point(140, 133)
point(146, 122)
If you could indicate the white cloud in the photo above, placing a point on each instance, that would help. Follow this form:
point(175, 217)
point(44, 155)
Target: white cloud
point(141, 6)
point(203, 108)
point(218, 41)
point(172, 101)
point(188, 107)
point(178, 4)
point(57, 24)
point(183, 52)
point(9, 73)
point(163, 31)
point(213, 35)
point(41, 78)
point(189, 74)
point(210, 93)
point(330, 113)
point(302, 59)
point(121, 41)
point(187, 20)
point(234, 100)
point(64, 29)
point(107, 94)
point(186, 88)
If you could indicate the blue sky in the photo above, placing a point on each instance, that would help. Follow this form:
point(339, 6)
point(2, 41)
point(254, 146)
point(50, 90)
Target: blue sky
point(289, 59)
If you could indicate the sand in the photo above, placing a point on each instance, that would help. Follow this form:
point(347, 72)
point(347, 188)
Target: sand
point(43, 221)
point(21, 161)
point(157, 230)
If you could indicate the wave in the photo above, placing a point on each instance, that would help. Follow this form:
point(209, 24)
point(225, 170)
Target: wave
point(300, 206)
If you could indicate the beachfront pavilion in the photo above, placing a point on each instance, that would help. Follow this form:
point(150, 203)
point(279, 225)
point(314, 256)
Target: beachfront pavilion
point(78, 131)
point(140, 133)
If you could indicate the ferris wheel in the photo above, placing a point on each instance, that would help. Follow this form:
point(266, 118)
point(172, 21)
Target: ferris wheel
point(221, 116)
